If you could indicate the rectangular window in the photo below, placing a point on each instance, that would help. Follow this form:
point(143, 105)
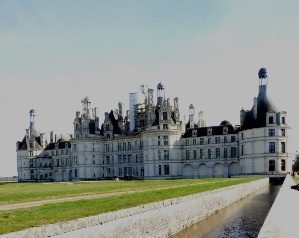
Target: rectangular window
point(217, 140)
point(271, 165)
point(232, 139)
point(187, 154)
point(283, 120)
point(124, 146)
point(166, 169)
point(166, 154)
point(233, 152)
point(217, 152)
point(129, 146)
point(165, 140)
point(107, 147)
point(165, 116)
point(201, 141)
point(124, 159)
point(209, 140)
point(225, 139)
point(160, 169)
point(283, 147)
point(194, 141)
point(283, 132)
point(130, 158)
point(283, 165)
point(210, 156)
point(271, 120)
point(159, 154)
point(165, 126)
point(119, 159)
point(194, 154)
point(271, 147)
point(202, 153)
point(225, 152)
point(271, 132)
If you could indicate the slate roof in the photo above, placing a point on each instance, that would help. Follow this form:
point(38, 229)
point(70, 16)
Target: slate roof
point(264, 105)
point(203, 131)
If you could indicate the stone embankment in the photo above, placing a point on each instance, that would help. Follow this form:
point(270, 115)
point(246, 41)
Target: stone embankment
point(282, 220)
point(159, 219)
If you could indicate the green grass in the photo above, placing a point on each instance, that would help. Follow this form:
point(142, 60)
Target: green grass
point(24, 192)
point(19, 219)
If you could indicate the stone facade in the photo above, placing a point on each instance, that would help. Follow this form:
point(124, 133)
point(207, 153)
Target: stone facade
point(160, 145)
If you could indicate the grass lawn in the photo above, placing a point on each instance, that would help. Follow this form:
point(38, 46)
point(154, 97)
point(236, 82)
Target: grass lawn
point(19, 219)
point(24, 192)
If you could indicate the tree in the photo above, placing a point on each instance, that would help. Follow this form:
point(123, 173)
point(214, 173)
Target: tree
point(295, 166)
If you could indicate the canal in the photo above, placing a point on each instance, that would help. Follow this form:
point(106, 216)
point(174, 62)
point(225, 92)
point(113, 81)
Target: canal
point(242, 219)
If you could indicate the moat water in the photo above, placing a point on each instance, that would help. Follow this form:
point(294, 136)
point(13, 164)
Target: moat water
point(242, 219)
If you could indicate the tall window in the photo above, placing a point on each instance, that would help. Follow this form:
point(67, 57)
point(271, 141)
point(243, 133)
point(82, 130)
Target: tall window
point(233, 152)
point(271, 132)
point(283, 132)
point(166, 169)
point(209, 140)
point(210, 156)
point(242, 149)
point(194, 154)
point(124, 146)
point(271, 120)
point(165, 116)
point(283, 147)
point(225, 152)
point(119, 146)
point(194, 141)
point(107, 148)
point(217, 140)
point(159, 154)
point(165, 140)
point(232, 139)
point(201, 141)
point(225, 139)
point(129, 146)
point(271, 165)
point(283, 120)
point(217, 152)
point(283, 165)
point(202, 153)
point(160, 169)
point(119, 159)
point(159, 142)
point(166, 154)
point(271, 147)
point(187, 154)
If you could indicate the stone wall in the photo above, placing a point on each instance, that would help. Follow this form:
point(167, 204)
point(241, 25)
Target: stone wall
point(159, 219)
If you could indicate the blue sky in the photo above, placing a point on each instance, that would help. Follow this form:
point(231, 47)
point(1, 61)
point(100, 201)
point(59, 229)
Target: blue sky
point(53, 53)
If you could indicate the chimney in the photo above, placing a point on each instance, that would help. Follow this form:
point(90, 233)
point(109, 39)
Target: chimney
point(51, 136)
point(255, 107)
point(191, 116)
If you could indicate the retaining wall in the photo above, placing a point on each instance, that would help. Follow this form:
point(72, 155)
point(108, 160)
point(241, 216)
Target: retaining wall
point(159, 219)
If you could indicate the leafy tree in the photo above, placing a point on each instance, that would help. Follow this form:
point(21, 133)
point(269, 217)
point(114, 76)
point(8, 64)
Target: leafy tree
point(295, 166)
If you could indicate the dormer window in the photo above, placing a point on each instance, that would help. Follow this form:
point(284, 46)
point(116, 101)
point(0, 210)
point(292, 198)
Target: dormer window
point(165, 118)
point(271, 120)
point(56, 146)
point(209, 131)
point(283, 120)
point(225, 130)
point(194, 133)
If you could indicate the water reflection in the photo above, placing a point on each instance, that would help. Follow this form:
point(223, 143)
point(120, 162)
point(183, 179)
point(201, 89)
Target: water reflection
point(242, 219)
